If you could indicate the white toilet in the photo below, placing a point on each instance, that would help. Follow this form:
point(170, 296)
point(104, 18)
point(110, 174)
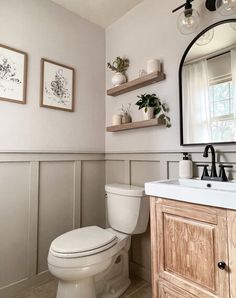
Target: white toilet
point(93, 262)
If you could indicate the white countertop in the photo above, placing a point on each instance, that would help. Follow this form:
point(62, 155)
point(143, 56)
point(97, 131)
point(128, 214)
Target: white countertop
point(210, 193)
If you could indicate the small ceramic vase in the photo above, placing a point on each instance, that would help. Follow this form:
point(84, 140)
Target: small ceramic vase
point(116, 119)
point(118, 78)
point(126, 118)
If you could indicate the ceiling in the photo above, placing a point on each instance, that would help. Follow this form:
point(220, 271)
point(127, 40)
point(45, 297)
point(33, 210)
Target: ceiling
point(100, 12)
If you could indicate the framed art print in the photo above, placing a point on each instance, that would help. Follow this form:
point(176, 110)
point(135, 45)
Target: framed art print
point(57, 86)
point(13, 75)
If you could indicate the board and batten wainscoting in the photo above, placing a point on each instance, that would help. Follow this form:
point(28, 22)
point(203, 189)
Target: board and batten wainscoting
point(43, 195)
point(138, 168)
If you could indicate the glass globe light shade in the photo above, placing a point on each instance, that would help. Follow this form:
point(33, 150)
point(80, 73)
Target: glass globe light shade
point(233, 26)
point(188, 21)
point(205, 38)
point(226, 7)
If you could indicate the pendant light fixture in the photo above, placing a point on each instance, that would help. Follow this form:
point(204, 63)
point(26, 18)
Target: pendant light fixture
point(226, 7)
point(189, 19)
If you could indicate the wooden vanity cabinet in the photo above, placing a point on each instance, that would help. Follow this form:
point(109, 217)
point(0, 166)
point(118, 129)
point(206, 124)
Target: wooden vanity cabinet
point(193, 250)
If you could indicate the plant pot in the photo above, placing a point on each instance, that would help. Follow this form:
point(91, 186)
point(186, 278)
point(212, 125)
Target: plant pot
point(126, 118)
point(118, 79)
point(149, 114)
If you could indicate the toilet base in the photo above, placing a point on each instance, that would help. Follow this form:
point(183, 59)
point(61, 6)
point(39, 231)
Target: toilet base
point(83, 288)
point(108, 278)
point(113, 282)
point(114, 291)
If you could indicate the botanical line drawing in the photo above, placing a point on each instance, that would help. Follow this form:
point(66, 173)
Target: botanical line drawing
point(57, 90)
point(9, 80)
point(57, 86)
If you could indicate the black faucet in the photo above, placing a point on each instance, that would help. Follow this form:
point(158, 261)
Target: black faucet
point(213, 176)
point(213, 159)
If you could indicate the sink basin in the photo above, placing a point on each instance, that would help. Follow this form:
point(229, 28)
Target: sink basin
point(211, 193)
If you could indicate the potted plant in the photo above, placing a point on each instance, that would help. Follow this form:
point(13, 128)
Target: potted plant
point(153, 107)
point(119, 66)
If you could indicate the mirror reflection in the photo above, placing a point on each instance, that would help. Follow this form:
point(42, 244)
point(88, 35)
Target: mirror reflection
point(208, 78)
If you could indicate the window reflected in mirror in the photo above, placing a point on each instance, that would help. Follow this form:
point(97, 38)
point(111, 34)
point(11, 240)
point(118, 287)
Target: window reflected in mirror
point(208, 90)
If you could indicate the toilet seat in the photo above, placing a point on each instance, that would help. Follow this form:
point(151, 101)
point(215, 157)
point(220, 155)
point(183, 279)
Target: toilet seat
point(83, 242)
point(69, 262)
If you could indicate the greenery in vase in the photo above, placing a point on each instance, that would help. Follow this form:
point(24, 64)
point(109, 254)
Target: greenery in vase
point(119, 65)
point(160, 109)
point(126, 110)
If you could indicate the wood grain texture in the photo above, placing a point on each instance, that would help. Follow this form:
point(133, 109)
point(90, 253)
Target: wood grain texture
point(189, 243)
point(192, 207)
point(183, 241)
point(231, 223)
point(154, 249)
point(135, 125)
point(137, 83)
point(167, 290)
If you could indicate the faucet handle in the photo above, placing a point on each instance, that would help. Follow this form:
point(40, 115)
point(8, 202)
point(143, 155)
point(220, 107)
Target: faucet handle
point(222, 173)
point(205, 170)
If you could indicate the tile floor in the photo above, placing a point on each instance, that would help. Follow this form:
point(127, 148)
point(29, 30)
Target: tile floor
point(138, 289)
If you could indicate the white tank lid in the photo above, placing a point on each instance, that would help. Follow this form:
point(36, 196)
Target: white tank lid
point(83, 240)
point(125, 190)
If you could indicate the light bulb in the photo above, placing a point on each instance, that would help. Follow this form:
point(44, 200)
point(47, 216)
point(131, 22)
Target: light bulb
point(205, 38)
point(226, 7)
point(188, 21)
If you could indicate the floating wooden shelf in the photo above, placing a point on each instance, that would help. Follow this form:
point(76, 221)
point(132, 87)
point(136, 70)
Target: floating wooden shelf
point(134, 125)
point(138, 83)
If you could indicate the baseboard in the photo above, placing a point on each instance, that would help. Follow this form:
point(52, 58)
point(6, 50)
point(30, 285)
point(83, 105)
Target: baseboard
point(140, 271)
point(17, 288)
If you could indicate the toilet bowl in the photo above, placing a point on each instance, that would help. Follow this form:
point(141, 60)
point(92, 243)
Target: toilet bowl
point(92, 262)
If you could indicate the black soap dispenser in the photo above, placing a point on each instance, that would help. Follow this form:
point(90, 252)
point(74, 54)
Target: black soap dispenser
point(185, 167)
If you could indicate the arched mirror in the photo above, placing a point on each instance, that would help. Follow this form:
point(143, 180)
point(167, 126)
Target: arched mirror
point(207, 77)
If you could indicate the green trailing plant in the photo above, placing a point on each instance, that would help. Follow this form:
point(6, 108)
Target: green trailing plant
point(119, 65)
point(160, 109)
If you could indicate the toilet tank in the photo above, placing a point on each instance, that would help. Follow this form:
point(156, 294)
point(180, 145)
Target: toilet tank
point(127, 208)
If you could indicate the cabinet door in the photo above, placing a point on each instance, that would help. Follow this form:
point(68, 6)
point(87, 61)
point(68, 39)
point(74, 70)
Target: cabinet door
point(170, 291)
point(188, 242)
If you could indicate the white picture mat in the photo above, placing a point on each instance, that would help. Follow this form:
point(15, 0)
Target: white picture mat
point(49, 98)
point(8, 88)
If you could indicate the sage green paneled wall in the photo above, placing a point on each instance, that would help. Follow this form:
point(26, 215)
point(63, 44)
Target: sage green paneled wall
point(41, 197)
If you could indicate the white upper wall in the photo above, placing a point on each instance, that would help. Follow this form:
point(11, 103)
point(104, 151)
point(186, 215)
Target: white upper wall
point(44, 29)
point(149, 31)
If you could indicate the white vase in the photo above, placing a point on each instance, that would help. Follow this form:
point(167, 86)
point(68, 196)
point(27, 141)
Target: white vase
point(118, 78)
point(116, 119)
point(153, 65)
point(126, 118)
point(149, 114)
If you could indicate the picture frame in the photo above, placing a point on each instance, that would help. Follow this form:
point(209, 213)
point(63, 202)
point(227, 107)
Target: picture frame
point(13, 74)
point(57, 86)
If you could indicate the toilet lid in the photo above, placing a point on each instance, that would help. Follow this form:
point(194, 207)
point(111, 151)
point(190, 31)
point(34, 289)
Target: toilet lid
point(83, 241)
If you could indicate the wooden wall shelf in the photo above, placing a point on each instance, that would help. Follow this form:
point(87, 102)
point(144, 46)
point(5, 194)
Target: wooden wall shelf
point(135, 125)
point(138, 83)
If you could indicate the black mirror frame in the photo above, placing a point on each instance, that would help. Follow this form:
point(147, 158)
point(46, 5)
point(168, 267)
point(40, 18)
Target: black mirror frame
point(180, 83)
